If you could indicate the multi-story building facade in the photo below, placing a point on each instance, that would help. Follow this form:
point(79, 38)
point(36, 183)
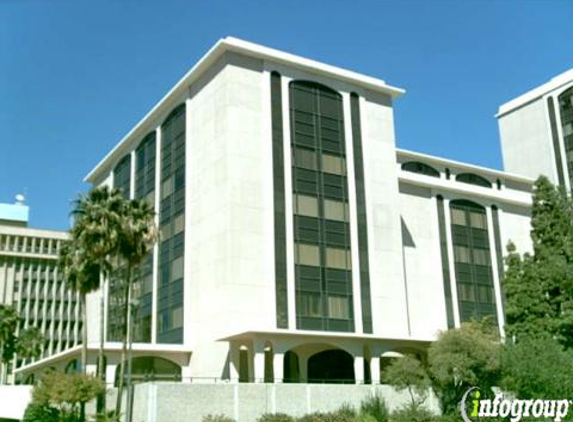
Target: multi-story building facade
point(536, 131)
point(297, 243)
point(30, 282)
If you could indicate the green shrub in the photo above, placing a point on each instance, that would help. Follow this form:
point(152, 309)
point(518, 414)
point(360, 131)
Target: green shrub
point(345, 413)
point(40, 413)
point(375, 406)
point(365, 417)
point(313, 417)
point(412, 413)
point(217, 418)
point(275, 417)
point(109, 416)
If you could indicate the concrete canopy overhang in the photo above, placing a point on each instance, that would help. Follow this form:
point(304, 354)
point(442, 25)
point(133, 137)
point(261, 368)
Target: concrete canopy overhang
point(373, 341)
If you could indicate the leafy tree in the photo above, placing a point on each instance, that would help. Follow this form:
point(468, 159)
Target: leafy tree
point(9, 320)
point(408, 373)
point(460, 359)
point(66, 393)
point(539, 286)
point(29, 343)
point(537, 369)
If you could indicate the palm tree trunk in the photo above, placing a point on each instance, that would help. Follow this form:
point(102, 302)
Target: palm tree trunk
point(127, 298)
point(101, 370)
point(130, 328)
point(84, 333)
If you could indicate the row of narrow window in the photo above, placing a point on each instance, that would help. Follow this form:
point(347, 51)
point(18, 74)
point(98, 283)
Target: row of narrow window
point(171, 225)
point(28, 244)
point(469, 178)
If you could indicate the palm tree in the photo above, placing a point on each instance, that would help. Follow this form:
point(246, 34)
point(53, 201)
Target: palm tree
point(9, 320)
point(96, 231)
point(81, 275)
point(30, 343)
point(137, 236)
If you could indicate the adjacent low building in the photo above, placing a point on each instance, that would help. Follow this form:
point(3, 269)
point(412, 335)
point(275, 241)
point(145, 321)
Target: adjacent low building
point(30, 282)
point(297, 243)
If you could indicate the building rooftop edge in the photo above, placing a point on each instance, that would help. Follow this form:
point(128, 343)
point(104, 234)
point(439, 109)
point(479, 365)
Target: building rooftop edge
point(32, 231)
point(535, 93)
point(459, 164)
point(248, 48)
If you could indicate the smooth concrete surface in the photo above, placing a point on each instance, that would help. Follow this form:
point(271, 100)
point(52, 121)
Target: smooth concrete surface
point(174, 402)
point(13, 401)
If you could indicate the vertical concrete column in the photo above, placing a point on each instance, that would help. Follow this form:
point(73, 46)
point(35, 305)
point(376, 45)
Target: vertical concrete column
point(234, 362)
point(110, 370)
point(303, 367)
point(259, 361)
point(91, 369)
point(186, 374)
point(359, 369)
point(375, 369)
point(278, 367)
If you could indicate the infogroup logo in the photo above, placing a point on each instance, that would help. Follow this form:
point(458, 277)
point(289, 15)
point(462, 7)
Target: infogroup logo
point(474, 407)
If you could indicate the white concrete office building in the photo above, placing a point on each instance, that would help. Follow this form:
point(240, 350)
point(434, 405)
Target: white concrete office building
point(30, 282)
point(297, 243)
point(536, 131)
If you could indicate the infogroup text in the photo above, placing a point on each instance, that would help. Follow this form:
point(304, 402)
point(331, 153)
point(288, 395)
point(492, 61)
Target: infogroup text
point(472, 407)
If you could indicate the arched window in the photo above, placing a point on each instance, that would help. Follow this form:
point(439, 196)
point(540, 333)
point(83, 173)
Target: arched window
point(422, 168)
point(472, 258)
point(473, 179)
point(171, 225)
point(331, 366)
point(151, 368)
point(323, 269)
point(291, 370)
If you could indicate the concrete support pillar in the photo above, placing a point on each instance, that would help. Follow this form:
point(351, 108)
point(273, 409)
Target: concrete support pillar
point(259, 360)
point(359, 369)
point(186, 374)
point(278, 367)
point(375, 369)
point(303, 367)
point(234, 362)
point(110, 370)
point(91, 369)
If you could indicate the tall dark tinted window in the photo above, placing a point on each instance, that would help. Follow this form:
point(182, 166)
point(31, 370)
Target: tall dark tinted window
point(144, 190)
point(474, 280)
point(498, 251)
point(122, 176)
point(171, 225)
point(323, 267)
point(279, 203)
point(445, 262)
point(116, 296)
point(566, 113)
point(556, 143)
point(145, 169)
point(361, 214)
point(422, 168)
point(473, 179)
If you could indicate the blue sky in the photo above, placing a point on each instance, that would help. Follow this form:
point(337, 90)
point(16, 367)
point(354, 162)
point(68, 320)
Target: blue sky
point(75, 76)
